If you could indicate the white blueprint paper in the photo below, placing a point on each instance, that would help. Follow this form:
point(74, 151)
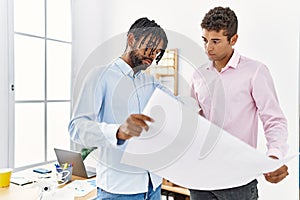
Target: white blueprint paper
point(188, 150)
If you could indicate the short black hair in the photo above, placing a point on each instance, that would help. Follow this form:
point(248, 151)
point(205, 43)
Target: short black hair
point(220, 18)
point(143, 28)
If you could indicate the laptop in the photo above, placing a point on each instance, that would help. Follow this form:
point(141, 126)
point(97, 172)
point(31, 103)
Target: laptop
point(79, 169)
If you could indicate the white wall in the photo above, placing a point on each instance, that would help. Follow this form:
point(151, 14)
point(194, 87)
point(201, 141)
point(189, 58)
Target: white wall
point(268, 31)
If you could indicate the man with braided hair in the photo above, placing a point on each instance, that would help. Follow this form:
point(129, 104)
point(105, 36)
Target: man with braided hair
point(239, 91)
point(108, 113)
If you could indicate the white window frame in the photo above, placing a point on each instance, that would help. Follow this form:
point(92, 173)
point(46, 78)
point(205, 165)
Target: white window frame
point(6, 84)
point(7, 96)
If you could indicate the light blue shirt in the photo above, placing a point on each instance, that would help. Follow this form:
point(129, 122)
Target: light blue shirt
point(108, 96)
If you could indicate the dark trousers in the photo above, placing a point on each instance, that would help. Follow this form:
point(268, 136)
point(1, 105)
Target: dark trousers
point(245, 192)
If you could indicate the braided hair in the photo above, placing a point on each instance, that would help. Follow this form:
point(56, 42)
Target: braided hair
point(220, 18)
point(144, 28)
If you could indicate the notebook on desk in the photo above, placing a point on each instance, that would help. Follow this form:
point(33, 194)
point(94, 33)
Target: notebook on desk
point(79, 169)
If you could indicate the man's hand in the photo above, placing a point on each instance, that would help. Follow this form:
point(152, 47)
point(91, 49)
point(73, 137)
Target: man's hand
point(133, 126)
point(277, 175)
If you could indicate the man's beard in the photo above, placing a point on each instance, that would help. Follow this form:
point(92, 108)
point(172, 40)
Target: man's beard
point(137, 62)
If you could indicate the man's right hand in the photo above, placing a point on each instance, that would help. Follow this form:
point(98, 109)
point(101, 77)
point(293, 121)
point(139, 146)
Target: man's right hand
point(133, 126)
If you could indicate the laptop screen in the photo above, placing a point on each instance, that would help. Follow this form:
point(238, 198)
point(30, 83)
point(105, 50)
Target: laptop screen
point(74, 157)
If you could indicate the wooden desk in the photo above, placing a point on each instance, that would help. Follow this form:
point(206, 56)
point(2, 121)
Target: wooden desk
point(30, 192)
point(14, 192)
point(177, 192)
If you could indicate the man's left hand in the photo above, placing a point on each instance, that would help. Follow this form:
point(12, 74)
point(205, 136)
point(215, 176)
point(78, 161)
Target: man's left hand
point(277, 175)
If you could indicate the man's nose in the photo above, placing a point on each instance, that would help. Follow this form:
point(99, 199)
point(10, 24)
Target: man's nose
point(152, 54)
point(208, 46)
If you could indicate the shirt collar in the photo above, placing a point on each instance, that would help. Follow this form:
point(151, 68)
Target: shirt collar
point(125, 68)
point(232, 63)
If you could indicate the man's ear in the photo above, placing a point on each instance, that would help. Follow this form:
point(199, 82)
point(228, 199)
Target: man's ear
point(233, 39)
point(130, 40)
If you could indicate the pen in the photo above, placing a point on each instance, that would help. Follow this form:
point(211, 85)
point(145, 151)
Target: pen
point(58, 168)
point(65, 166)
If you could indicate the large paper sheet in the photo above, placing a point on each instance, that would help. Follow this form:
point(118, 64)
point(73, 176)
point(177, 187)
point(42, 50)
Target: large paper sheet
point(188, 150)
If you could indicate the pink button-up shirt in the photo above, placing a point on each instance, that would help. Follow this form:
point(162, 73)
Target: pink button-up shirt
point(235, 97)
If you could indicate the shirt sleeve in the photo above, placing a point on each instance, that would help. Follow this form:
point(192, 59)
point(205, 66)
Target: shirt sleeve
point(193, 92)
point(84, 127)
point(270, 113)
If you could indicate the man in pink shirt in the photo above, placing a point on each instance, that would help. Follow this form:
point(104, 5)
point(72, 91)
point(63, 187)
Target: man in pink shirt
point(232, 92)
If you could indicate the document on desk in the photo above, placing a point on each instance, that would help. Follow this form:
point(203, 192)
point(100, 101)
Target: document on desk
point(190, 151)
point(81, 188)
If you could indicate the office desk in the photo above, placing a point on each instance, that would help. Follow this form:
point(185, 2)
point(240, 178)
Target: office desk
point(169, 189)
point(14, 192)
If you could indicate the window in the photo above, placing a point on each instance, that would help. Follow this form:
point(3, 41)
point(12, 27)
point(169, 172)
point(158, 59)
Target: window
point(42, 78)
